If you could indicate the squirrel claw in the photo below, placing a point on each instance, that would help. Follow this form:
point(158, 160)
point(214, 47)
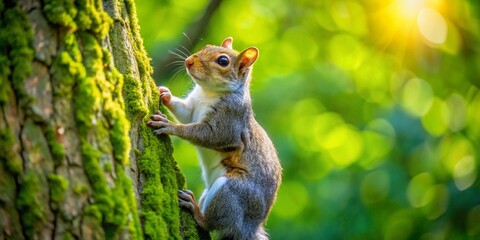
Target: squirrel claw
point(186, 195)
point(159, 117)
point(161, 123)
point(186, 199)
point(186, 204)
point(162, 89)
point(158, 124)
point(189, 192)
point(165, 95)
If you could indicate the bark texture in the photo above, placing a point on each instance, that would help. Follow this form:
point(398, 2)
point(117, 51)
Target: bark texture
point(76, 159)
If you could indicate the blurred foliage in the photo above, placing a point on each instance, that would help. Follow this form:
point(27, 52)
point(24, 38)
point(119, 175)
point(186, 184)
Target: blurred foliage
point(373, 106)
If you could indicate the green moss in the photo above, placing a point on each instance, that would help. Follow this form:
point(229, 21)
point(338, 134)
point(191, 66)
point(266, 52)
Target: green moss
point(57, 150)
point(145, 86)
point(7, 153)
point(120, 213)
point(162, 177)
point(134, 100)
point(62, 12)
point(67, 68)
point(28, 203)
point(93, 211)
point(93, 53)
point(120, 140)
point(148, 86)
point(110, 206)
point(116, 79)
point(119, 124)
point(135, 227)
point(151, 230)
point(86, 104)
point(137, 151)
point(86, 15)
point(93, 170)
point(107, 167)
point(5, 88)
point(106, 79)
point(102, 133)
point(152, 193)
point(16, 53)
point(92, 223)
point(159, 203)
point(140, 53)
point(68, 236)
point(159, 195)
point(122, 208)
point(58, 186)
point(115, 111)
point(149, 162)
point(81, 189)
point(91, 17)
point(107, 60)
point(168, 176)
point(187, 223)
point(115, 205)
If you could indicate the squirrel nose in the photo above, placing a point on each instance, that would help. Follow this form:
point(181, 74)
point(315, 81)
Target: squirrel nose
point(189, 62)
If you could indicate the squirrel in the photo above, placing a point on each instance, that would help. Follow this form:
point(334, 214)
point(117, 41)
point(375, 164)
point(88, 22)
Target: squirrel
point(240, 166)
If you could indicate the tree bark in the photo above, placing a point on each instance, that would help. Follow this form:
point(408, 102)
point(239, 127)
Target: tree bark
point(76, 159)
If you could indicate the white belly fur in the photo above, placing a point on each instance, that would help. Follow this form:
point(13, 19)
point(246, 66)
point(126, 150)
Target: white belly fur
point(201, 103)
point(212, 168)
point(210, 160)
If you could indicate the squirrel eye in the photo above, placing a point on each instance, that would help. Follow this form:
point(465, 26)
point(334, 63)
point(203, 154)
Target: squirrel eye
point(223, 61)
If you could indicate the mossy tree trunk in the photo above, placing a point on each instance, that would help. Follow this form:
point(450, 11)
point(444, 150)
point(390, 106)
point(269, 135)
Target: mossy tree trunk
point(76, 159)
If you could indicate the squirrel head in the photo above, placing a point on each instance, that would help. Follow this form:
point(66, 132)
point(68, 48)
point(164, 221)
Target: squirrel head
point(221, 68)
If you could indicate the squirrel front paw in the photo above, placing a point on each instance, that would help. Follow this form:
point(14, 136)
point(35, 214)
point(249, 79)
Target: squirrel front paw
point(161, 123)
point(165, 95)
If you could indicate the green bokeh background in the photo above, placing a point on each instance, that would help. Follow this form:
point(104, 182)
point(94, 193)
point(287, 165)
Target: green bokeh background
point(373, 107)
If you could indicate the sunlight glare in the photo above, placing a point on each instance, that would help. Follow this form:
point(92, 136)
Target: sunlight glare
point(432, 26)
point(410, 8)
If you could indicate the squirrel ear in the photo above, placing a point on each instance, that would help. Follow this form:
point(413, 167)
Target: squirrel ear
point(246, 59)
point(227, 43)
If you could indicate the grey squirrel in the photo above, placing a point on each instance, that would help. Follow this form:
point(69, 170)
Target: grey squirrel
point(240, 166)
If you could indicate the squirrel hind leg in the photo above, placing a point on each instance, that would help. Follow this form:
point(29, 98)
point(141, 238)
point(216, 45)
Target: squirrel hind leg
point(236, 211)
point(187, 200)
point(259, 235)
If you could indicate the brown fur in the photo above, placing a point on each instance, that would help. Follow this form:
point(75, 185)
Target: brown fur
point(234, 167)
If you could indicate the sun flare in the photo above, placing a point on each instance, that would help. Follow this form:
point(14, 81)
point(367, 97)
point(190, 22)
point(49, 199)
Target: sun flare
point(432, 26)
point(408, 10)
point(404, 21)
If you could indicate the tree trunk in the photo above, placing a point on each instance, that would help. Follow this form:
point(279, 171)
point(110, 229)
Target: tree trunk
point(76, 159)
